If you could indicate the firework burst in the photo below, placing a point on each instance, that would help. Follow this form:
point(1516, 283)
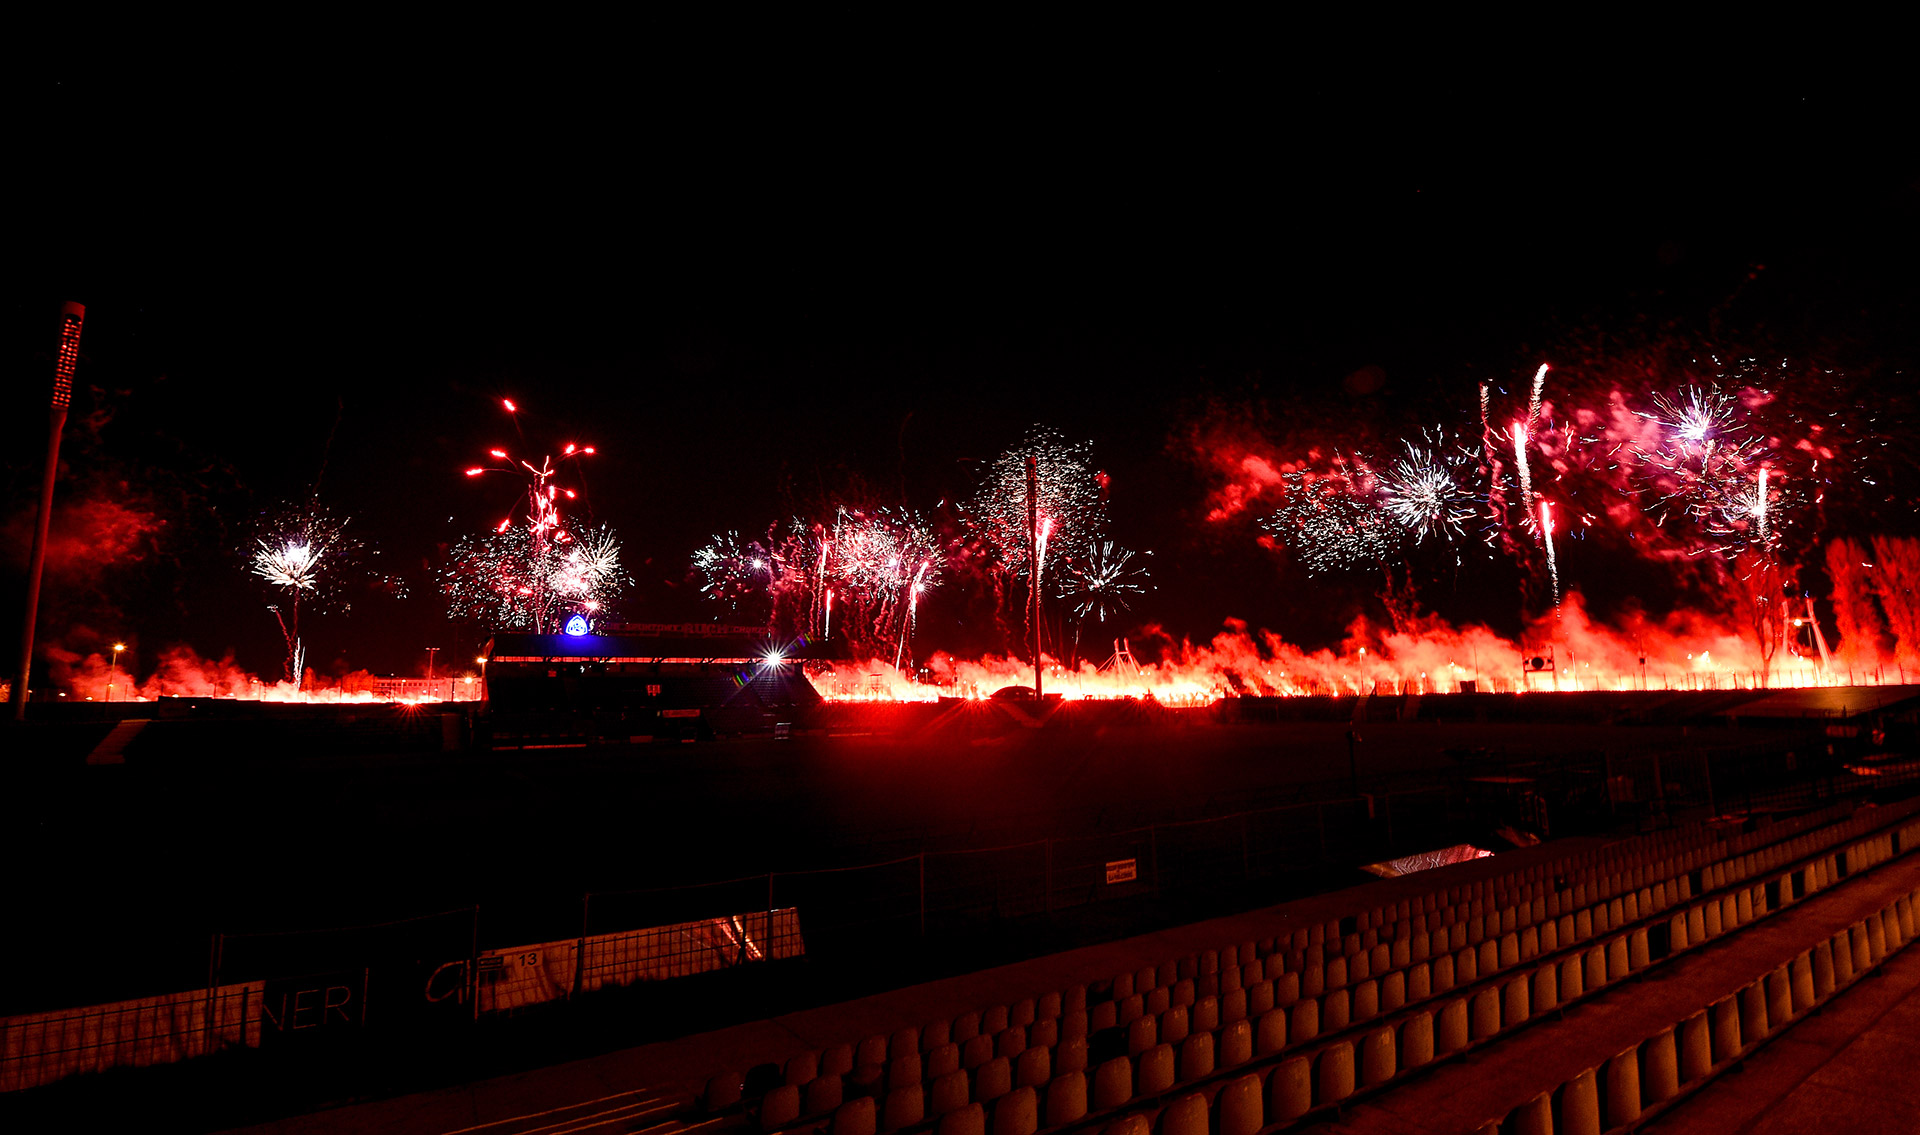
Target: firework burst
point(1427, 490)
point(508, 581)
point(1071, 502)
point(528, 575)
point(1105, 581)
point(1333, 521)
point(733, 569)
point(300, 552)
point(1704, 465)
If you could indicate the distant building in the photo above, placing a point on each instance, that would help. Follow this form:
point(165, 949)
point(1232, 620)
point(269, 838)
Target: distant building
point(646, 682)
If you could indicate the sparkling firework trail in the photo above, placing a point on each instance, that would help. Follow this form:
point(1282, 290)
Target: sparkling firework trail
point(1553, 563)
point(1533, 402)
point(1520, 461)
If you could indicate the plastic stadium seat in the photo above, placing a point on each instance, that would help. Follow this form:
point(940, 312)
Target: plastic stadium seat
point(1070, 1055)
point(1333, 1078)
point(1336, 1011)
point(1238, 1109)
point(903, 1070)
point(1156, 1072)
point(780, 1107)
point(836, 1061)
point(968, 1120)
point(1236, 1044)
point(1303, 1021)
point(1378, 1058)
point(1113, 1084)
point(950, 1092)
point(1196, 1056)
point(1142, 1034)
point(904, 1107)
point(942, 1061)
point(802, 1066)
point(1017, 1113)
point(1659, 1068)
point(1066, 1099)
point(1205, 1016)
point(1034, 1068)
point(933, 1034)
point(1623, 1088)
point(992, 1080)
point(1289, 1090)
point(822, 1094)
point(1185, 1116)
point(976, 1052)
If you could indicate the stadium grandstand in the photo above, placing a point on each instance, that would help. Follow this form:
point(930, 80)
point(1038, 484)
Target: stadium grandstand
point(642, 682)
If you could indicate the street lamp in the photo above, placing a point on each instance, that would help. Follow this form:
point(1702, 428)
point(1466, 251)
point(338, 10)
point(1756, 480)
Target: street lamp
point(113, 666)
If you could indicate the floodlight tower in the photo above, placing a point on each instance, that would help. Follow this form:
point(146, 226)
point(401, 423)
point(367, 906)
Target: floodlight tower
point(1033, 565)
point(72, 315)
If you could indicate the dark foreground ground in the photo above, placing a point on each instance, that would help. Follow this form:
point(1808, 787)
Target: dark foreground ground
point(228, 848)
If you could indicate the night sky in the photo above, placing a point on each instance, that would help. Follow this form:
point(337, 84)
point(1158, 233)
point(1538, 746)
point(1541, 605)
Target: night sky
point(761, 286)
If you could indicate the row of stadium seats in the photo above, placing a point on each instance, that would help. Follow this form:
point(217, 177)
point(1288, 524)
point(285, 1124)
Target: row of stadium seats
point(1179, 1022)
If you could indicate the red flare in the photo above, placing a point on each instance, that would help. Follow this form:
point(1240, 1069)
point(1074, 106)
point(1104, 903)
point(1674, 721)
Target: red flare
point(475, 472)
point(500, 453)
point(570, 448)
point(508, 403)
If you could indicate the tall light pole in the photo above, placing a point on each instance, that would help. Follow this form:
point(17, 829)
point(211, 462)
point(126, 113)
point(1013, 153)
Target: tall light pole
point(431, 650)
point(72, 316)
point(113, 667)
point(1033, 564)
